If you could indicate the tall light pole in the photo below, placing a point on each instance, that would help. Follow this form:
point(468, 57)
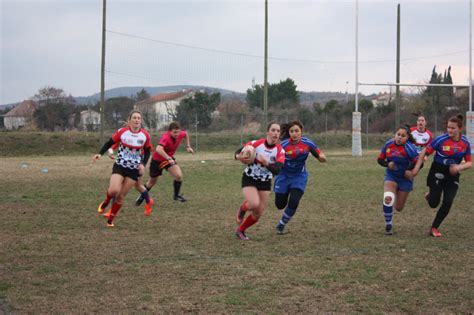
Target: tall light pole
point(356, 116)
point(398, 102)
point(102, 74)
point(470, 113)
point(265, 71)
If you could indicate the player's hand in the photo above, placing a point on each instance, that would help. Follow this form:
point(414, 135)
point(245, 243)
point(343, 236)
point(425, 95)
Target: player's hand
point(410, 175)
point(96, 157)
point(141, 169)
point(454, 169)
point(391, 165)
point(189, 150)
point(171, 161)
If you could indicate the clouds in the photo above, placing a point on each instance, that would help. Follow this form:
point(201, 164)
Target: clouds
point(58, 43)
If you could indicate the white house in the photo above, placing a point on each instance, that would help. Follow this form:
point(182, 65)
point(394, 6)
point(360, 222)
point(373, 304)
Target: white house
point(20, 116)
point(383, 99)
point(158, 111)
point(90, 120)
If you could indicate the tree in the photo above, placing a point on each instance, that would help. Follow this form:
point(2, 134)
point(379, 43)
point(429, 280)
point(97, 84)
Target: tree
point(142, 95)
point(55, 109)
point(282, 94)
point(201, 106)
point(366, 106)
point(117, 110)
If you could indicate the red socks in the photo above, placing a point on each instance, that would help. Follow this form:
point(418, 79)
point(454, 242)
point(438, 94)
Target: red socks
point(113, 212)
point(107, 200)
point(244, 207)
point(248, 222)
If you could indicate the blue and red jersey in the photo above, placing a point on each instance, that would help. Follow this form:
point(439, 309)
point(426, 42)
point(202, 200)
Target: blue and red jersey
point(401, 155)
point(296, 155)
point(448, 151)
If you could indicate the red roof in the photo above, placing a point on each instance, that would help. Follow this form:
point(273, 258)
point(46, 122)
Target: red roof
point(25, 108)
point(164, 97)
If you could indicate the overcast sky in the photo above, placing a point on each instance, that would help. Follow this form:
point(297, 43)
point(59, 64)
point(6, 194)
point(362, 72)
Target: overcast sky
point(220, 44)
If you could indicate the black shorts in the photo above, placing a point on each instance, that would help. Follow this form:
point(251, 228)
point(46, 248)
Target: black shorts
point(125, 172)
point(260, 185)
point(439, 176)
point(156, 167)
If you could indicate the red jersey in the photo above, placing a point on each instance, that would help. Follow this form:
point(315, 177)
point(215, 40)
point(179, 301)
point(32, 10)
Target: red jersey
point(273, 154)
point(169, 144)
point(130, 146)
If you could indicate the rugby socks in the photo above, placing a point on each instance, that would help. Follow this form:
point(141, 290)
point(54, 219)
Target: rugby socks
point(287, 215)
point(113, 212)
point(248, 222)
point(146, 195)
point(388, 213)
point(177, 187)
point(107, 200)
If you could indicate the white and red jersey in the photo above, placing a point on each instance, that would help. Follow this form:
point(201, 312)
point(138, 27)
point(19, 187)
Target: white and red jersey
point(422, 139)
point(131, 145)
point(273, 154)
point(169, 144)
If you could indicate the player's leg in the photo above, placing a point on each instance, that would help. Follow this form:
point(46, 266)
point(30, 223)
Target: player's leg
point(126, 185)
point(113, 190)
point(155, 171)
point(252, 197)
point(293, 202)
point(450, 190)
point(390, 188)
point(177, 174)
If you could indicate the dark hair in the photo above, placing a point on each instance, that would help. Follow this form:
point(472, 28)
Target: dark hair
point(458, 119)
point(173, 126)
point(272, 123)
point(406, 127)
point(419, 114)
point(285, 128)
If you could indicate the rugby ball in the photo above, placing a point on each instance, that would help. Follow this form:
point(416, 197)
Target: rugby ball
point(249, 153)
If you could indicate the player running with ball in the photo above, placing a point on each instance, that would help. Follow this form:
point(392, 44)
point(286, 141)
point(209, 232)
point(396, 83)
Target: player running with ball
point(257, 177)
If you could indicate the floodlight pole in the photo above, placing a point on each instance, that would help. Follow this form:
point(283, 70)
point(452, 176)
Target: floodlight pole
point(102, 74)
point(398, 102)
point(356, 116)
point(265, 71)
point(470, 113)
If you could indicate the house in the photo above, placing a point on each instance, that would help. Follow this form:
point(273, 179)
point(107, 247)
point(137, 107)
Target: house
point(382, 99)
point(90, 120)
point(20, 116)
point(159, 110)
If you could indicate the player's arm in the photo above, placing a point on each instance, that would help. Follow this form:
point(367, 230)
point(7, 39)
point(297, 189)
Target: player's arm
point(189, 149)
point(237, 154)
point(104, 149)
point(161, 151)
point(318, 154)
point(274, 168)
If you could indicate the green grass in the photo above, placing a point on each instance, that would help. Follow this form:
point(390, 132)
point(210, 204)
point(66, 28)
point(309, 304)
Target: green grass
point(57, 256)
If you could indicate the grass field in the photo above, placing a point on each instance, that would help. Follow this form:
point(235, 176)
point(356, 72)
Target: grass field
point(57, 256)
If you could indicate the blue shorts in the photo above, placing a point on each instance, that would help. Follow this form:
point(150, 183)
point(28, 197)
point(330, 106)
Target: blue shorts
point(404, 184)
point(284, 183)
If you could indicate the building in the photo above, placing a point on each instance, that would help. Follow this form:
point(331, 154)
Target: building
point(159, 110)
point(90, 120)
point(382, 99)
point(20, 116)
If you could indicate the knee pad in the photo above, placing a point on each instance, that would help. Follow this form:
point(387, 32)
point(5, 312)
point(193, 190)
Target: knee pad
point(390, 195)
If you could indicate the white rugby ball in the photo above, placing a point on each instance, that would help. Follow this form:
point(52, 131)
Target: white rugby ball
point(249, 153)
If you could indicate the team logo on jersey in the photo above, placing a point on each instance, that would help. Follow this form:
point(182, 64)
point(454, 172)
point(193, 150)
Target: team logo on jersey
point(141, 141)
point(446, 148)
